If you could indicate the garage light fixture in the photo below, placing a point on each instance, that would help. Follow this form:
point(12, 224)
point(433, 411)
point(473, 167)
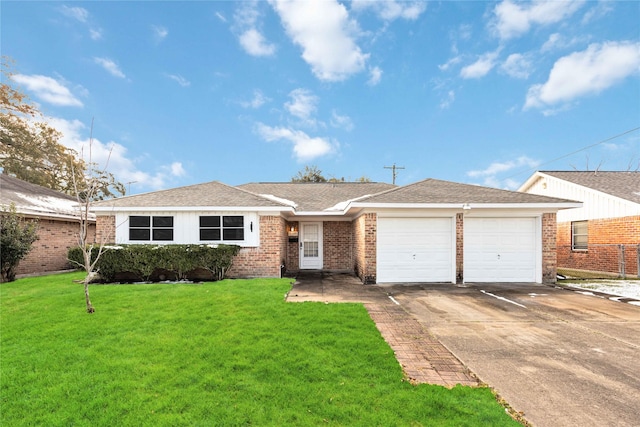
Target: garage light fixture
point(466, 207)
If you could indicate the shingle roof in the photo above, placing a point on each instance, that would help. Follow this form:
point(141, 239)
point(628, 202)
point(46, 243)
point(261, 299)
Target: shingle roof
point(625, 185)
point(316, 197)
point(34, 200)
point(200, 195)
point(436, 191)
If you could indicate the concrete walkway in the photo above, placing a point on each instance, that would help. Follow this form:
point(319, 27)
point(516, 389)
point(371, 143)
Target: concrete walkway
point(422, 357)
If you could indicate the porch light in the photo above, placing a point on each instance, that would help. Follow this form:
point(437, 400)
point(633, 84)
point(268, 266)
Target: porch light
point(466, 207)
point(292, 232)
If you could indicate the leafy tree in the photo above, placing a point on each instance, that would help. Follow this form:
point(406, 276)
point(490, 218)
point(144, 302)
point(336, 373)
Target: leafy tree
point(313, 174)
point(309, 174)
point(30, 148)
point(16, 239)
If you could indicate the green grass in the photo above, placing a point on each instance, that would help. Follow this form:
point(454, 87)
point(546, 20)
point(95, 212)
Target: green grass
point(224, 353)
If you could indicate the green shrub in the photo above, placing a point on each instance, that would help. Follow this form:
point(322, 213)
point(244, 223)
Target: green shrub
point(145, 261)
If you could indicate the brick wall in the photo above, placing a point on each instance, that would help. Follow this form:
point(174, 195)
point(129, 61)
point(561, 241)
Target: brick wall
point(49, 253)
point(265, 260)
point(337, 241)
point(549, 253)
point(459, 248)
point(293, 250)
point(106, 229)
point(364, 243)
point(604, 239)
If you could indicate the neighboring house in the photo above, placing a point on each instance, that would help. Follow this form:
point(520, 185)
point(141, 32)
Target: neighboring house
point(604, 234)
point(430, 231)
point(57, 218)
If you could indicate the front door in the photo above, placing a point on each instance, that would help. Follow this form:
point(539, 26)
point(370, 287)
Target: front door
point(310, 245)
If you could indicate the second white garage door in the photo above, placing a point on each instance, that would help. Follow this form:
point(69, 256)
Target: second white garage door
point(500, 250)
point(415, 250)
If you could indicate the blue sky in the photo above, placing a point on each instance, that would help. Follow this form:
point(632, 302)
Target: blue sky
point(195, 91)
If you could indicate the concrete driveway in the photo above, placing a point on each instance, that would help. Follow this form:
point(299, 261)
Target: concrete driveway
point(560, 357)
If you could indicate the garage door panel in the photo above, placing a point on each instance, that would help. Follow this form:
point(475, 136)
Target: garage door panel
point(414, 250)
point(500, 250)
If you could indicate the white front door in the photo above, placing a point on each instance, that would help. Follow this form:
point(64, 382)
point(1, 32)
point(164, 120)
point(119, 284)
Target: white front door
point(310, 245)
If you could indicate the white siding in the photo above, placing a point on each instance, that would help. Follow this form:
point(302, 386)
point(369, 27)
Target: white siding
point(597, 205)
point(186, 227)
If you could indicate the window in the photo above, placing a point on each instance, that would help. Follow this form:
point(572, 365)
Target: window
point(158, 228)
point(222, 228)
point(579, 236)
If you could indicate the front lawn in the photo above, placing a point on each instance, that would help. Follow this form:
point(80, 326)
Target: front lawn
point(222, 353)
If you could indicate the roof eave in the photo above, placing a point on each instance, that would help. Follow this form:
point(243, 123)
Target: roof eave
point(108, 209)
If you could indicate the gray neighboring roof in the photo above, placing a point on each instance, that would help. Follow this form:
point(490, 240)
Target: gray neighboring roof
point(209, 194)
point(625, 185)
point(35, 200)
point(431, 191)
point(316, 196)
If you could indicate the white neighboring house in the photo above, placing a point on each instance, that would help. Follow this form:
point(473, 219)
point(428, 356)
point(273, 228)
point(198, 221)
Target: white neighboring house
point(604, 234)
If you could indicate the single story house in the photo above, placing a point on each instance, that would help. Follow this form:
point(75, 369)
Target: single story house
point(429, 231)
point(604, 234)
point(58, 224)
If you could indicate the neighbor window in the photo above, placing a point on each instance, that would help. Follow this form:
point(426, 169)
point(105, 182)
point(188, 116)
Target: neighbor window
point(222, 228)
point(158, 228)
point(579, 236)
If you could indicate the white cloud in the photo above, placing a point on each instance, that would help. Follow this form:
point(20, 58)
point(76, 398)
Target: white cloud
point(95, 33)
point(254, 43)
point(110, 66)
point(490, 175)
point(82, 15)
point(517, 66)
point(159, 32)
point(453, 61)
point(112, 156)
point(557, 41)
point(177, 169)
point(343, 122)
point(514, 19)
point(448, 100)
point(246, 24)
point(375, 75)
point(326, 35)
point(481, 67)
point(305, 148)
point(78, 13)
point(258, 100)
point(179, 79)
point(48, 89)
point(591, 71)
point(303, 104)
point(390, 10)
point(221, 17)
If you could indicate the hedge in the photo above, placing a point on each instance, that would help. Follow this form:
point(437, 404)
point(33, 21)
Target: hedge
point(151, 262)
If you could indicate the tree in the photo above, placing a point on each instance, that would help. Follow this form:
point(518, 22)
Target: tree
point(30, 148)
point(16, 239)
point(310, 174)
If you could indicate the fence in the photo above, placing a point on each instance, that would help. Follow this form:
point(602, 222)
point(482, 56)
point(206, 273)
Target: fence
point(622, 260)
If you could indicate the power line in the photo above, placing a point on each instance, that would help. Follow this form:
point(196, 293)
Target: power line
point(575, 152)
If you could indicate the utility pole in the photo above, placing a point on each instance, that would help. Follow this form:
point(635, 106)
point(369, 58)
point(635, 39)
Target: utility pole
point(393, 171)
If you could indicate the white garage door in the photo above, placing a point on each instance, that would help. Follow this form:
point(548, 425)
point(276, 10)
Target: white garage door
point(415, 250)
point(500, 250)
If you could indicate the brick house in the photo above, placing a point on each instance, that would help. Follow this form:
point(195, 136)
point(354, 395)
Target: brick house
point(429, 231)
point(58, 224)
point(604, 234)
